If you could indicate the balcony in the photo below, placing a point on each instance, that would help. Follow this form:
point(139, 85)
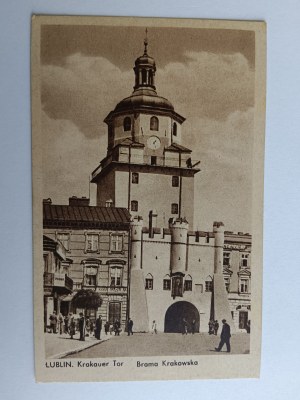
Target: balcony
point(60, 282)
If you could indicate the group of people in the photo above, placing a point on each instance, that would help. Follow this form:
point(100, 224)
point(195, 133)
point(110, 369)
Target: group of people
point(213, 327)
point(186, 328)
point(70, 324)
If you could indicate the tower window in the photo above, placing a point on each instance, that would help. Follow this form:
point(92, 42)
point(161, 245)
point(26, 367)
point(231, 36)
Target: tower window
point(174, 208)
point(174, 129)
point(175, 181)
point(153, 160)
point(167, 283)
point(149, 282)
point(127, 124)
point(208, 286)
point(188, 283)
point(154, 125)
point(135, 177)
point(144, 77)
point(134, 205)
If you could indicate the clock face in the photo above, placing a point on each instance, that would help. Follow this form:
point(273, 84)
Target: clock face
point(153, 142)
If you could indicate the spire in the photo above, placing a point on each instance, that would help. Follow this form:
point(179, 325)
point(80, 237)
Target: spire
point(144, 69)
point(146, 42)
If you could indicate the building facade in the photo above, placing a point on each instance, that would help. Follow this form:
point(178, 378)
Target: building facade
point(96, 241)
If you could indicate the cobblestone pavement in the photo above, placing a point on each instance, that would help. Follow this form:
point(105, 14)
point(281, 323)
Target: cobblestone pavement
point(165, 344)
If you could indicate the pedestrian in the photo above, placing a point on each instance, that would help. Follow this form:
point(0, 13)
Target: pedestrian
point(53, 322)
point(81, 327)
point(106, 327)
point(154, 327)
point(117, 327)
point(98, 327)
point(193, 326)
point(92, 328)
point(225, 337)
point(216, 327)
point(211, 326)
point(129, 326)
point(248, 326)
point(66, 322)
point(87, 326)
point(184, 327)
point(111, 328)
point(60, 323)
point(72, 326)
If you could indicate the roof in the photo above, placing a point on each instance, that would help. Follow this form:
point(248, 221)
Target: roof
point(178, 147)
point(85, 217)
point(130, 142)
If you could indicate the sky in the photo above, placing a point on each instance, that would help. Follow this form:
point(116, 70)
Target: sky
point(208, 75)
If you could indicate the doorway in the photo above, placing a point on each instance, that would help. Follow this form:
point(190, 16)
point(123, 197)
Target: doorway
point(177, 312)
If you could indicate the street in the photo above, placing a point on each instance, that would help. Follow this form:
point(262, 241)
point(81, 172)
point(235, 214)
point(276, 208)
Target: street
point(165, 344)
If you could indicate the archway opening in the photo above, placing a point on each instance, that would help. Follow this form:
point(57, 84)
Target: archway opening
point(177, 312)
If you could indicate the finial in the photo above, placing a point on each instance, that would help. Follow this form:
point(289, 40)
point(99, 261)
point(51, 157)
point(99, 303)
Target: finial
point(146, 42)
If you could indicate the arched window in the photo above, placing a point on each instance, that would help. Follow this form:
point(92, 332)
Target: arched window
point(174, 129)
point(144, 77)
point(208, 284)
point(188, 283)
point(127, 124)
point(167, 283)
point(151, 77)
point(154, 125)
point(149, 282)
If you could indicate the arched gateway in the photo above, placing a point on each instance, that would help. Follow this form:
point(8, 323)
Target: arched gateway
point(175, 314)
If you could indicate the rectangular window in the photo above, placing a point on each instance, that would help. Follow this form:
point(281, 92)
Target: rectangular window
point(149, 284)
point(46, 263)
point(115, 276)
point(90, 280)
point(167, 284)
point(114, 312)
point(187, 285)
point(64, 239)
point(177, 286)
point(135, 178)
point(134, 205)
point(91, 243)
point(153, 160)
point(244, 286)
point(208, 286)
point(116, 243)
point(226, 259)
point(244, 259)
point(175, 181)
point(174, 208)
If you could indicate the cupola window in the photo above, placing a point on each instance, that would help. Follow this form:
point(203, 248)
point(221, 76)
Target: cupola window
point(174, 129)
point(154, 125)
point(127, 124)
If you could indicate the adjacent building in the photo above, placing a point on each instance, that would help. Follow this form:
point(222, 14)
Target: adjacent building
point(96, 241)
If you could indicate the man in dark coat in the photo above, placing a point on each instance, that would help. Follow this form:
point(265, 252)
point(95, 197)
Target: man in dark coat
point(129, 326)
point(98, 327)
point(81, 327)
point(117, 326)
point(225, 337)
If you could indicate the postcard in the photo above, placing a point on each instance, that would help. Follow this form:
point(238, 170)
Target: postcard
point(147, 164)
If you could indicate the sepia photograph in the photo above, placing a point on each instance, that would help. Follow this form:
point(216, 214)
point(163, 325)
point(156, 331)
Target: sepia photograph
point(147, 163)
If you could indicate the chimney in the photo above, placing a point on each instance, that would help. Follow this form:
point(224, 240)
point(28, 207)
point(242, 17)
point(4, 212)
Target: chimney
point(79, 201)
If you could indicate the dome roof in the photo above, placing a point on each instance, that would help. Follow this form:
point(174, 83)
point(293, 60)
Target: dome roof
point(145, 60)
point(144, 98)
